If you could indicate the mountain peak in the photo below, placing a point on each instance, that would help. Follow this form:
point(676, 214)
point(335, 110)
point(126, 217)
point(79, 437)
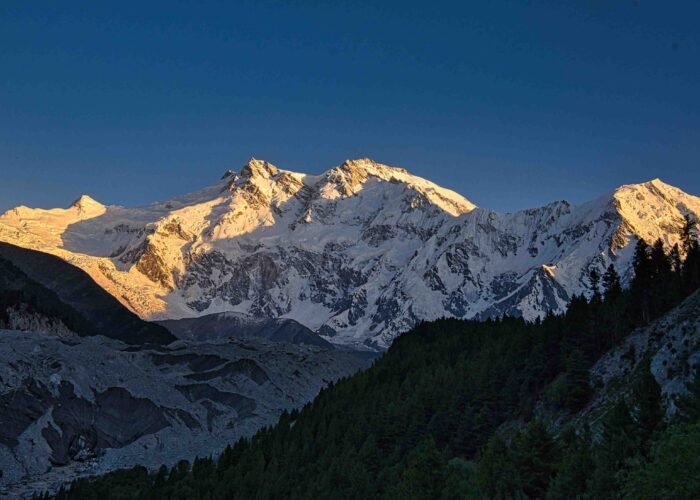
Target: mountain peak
point(654, 209)
point(370, 166)
point(655, 188)
point(657, 184)
point(350, 177)
point(259, 168)
point(86, 205)
point(362, 168)
point(85, 202)
point(646, 185)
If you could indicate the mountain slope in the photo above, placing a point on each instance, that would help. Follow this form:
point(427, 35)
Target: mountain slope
point(38, 288)
point(358, 254)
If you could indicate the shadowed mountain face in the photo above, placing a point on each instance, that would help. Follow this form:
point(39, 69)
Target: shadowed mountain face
point(357, 254)
point(241, 326)
point(37, 285)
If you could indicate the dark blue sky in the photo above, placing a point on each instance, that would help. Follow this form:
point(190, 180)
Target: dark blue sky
point(512, 104)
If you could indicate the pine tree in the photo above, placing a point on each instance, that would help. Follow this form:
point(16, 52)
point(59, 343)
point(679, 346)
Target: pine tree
point(612, 323)
point(536, 458)
point(575, 468)
point(424, 475)
point(578, 389)
point(496, 474)
point(618, 443)
point(640, 289)
point(579, 333)
point(687, 239)
point(662, 293)
point(691, 269)
point(179, 471)
point(161, 477)
point(676, 261)
point(673, 470)
point(649, 414)
point(689, 404)
point(594, 280)
point(691, 249)
point(676, 287)
point(611, 283)
point(459, 481)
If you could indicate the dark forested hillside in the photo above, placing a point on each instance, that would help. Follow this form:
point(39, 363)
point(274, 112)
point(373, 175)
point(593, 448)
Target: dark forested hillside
point(461, 409)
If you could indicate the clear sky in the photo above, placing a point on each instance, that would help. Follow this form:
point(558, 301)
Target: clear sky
point(513, 104)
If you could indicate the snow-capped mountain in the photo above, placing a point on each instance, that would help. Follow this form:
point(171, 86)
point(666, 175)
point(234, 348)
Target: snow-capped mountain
point(358, 254)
